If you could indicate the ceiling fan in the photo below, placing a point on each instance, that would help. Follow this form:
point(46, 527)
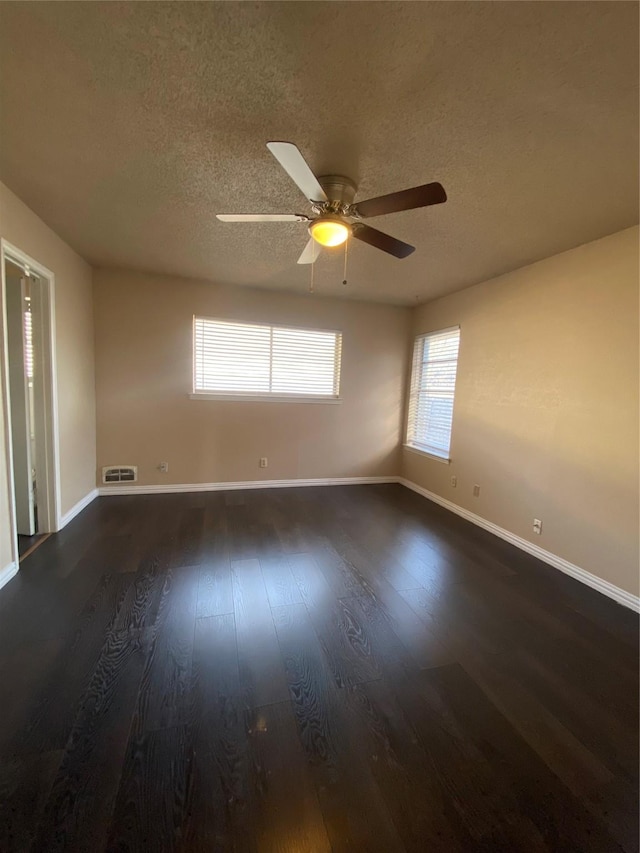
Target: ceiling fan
point(336, 217)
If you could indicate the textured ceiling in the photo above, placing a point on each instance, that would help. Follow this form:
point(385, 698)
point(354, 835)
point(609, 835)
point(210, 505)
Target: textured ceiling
point(128, 126)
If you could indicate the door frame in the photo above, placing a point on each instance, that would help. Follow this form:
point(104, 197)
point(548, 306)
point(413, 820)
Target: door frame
point(47, 432)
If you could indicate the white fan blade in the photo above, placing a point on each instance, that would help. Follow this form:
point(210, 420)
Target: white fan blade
point(294, 164)
point(261, 217)
point(310, 253)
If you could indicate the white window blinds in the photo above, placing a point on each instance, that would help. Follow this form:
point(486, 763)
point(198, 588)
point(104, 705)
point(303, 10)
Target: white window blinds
point(433, 381)
point(28, 343)
point(242, 359)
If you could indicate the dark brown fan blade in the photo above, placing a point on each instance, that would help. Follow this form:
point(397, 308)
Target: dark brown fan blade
point(405, 200)
point(382, 241)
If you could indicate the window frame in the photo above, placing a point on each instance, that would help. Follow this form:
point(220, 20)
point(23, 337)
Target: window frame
point(267, 396)
point(424, 449)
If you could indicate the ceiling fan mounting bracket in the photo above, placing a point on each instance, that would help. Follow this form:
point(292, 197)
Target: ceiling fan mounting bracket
point(339, 190)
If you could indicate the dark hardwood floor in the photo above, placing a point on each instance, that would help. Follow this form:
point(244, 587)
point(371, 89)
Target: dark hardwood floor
point(29, 543)
point(314, 669)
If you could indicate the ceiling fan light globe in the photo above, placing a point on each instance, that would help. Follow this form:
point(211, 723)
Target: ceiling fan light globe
point(329, 231)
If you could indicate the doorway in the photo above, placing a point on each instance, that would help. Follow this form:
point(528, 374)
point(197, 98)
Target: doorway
point(29, 399)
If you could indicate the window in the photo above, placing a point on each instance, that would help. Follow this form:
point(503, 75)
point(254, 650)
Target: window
point(433, 382)
point(272, 362)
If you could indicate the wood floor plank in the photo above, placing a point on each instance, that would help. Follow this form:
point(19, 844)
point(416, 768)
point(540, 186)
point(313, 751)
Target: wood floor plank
point(544, 619)
point(602, 731)
point(218, 807)
point(527, 787)
point(354, 810)
point(425, 647)
point(55, 592)
point(392, 659)
point(616, 620)
point(79, 806)
point(567, 644)
point(484, 803)
point(374, 532)
point(582, 773)
point(189, 537)
point(454, 626)
point(47, 724)
point(288, 526)
point(243, 533)
point(279, 581)
point(261, 668)
point(25, 673)
point(343, 582)
point(461, 561)
point(416, 799)
point(215, 589)
point(286, 814)
point(343, 635)
point(25, 784)
point(165, 697)
point(150, 809)
point(214, 540)
point(139, 608)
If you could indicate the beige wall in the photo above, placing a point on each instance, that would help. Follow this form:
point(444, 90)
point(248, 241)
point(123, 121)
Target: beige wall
point(75, 368)
point(144, 376)
point(546, 409)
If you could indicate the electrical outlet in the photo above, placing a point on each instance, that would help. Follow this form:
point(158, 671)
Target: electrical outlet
point(263, 461)
point(537, 526)
point(476, 491)
point(163, 467)
point(454, 481)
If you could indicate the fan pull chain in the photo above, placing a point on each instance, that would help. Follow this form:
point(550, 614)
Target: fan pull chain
point(346, 249)
point(313, 250)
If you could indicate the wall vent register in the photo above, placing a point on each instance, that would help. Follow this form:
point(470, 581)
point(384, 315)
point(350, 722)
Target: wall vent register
point(250, 361)
point(120, 474)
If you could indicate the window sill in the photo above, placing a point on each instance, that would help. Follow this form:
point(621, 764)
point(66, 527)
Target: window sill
point(445, 459)
point(264, 398)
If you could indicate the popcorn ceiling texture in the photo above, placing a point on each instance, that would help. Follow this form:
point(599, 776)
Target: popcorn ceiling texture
point(128, 126)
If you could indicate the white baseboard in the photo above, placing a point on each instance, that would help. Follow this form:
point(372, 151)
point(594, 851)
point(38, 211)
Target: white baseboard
point(620, 595)
point(9, 571)
point(77, 508)
point(247, 484)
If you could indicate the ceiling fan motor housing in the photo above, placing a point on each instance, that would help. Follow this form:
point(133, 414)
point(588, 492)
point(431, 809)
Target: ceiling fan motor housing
point(332, 227)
